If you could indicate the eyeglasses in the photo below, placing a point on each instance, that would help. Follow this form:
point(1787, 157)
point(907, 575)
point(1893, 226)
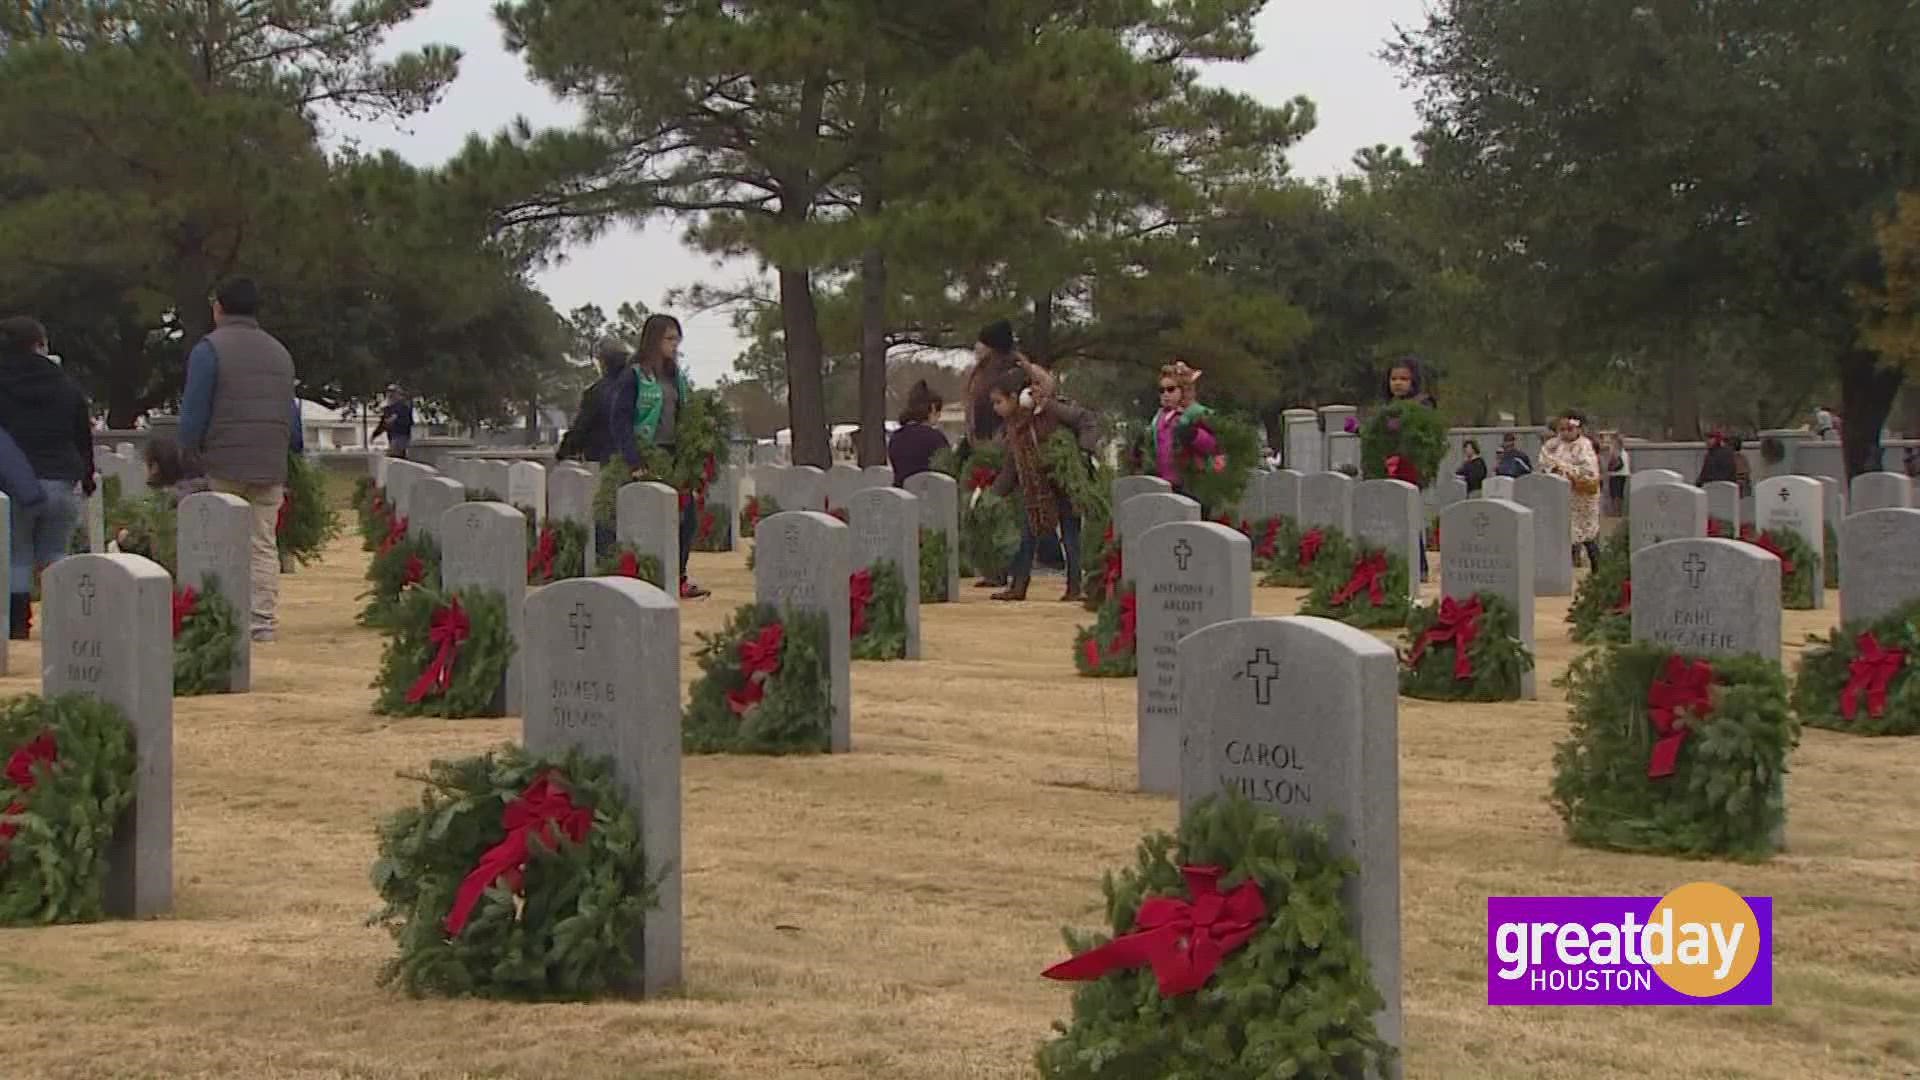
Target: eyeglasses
point(1169, 389)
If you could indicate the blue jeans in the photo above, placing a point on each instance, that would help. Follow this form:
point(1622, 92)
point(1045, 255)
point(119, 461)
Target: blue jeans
point(689, 528)
point(1069, 541)
point(42, 534)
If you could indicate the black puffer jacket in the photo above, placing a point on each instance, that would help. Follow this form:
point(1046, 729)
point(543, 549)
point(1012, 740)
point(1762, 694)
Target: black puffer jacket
point(46, 413)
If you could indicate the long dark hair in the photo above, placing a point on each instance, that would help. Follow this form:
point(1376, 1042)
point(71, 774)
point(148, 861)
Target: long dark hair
point(921, 404)
point(648, 356)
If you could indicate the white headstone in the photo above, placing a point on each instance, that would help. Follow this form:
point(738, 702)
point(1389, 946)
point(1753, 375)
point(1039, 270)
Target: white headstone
point(1880, 491)
point(1879, 564)
point(886, 526)
point(484, 545)
point(1143, 512)
point(1126, 487)
point(1305, 447)
point(1708, 597)
point(1387, 515)
point(1659, 512)
point(843, 482)
point(1653, 476)
point(431, 497)
point(216, 546)
point(1498, 487)
point(1486, 545)
point(1723, 504)
point(648, 518)
point(1190, 575)
point(805, 489)
point(1796, 504)
point(802, 562)
point(939, 497)
point(1326, 501)
point(527, 488)
point(1550, 498)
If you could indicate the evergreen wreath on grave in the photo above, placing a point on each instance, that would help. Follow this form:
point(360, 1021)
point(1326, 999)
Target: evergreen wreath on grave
point(1831, 554)
point(713, 529)
point(1302, 555)
point(518, 876)
point(368, 504)
point(933, 566)
point(147, 525)
point(1797, 564)
point(989, 532)
point(1108, 649)
point(1374, 591)
point(69, 775)
point(877, 610)
point(1103, 568)
point(755, 508)
point(614, 475)
point(1719, 529)
point(1464, 650)
point(1602, 608)
point(558, 552)
point(1671, 754)
point(1265, 536)
point(412, 562)
point(1285, 991)
point(764, 686)
point(446, 654)
point(1860, 680)
point(1403, 441)
point(206, 640)
point(306, 523)
point(625, 560)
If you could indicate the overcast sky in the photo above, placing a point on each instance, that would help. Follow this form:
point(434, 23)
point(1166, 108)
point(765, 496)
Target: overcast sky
point(1328, 51)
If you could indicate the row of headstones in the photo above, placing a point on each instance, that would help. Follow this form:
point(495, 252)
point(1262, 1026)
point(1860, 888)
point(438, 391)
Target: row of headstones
point(810, 488)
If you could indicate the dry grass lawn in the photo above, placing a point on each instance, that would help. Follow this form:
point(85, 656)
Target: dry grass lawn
point(887, 913)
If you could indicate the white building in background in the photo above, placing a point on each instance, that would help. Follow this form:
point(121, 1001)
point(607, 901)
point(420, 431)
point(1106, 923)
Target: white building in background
point(327, 429)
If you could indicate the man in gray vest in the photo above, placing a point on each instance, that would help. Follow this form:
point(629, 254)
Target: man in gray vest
point(238, 420)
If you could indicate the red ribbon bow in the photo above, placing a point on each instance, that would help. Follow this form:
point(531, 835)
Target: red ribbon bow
point(414, 572)
point(448, 629)
point(184, 602)
point(1459, 624)
point(1625, 605)
point(544, 810)
point(753, 510)
point(41, 751)
point(1129, 623)
point(1112, 568)
point(839, 512)
point(859, 595)
point(981, 477)
point(1401, 468)
point(1871, 672)
point(1684, 686)
point(1310, 546)
point(1269, 545)
point(1369, 573)
point(1766, 543)
point(1716, 529)
point(396, 532)
point(759, 662)
point(706, 526)
point(629, 565)
point(540, 563)
point(1184, 941)
point(280, 518)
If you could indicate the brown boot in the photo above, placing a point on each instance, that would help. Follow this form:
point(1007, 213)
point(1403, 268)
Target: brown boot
point(1073, 596)
point(1015, 591)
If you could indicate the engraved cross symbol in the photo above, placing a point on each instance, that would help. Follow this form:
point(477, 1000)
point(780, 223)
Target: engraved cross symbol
point(1261, 671)
point(1480, 523)
point(85, 591)
point(1182, 551)
point(1696, 569)
point(581, 621)
point(1662, 498)
point(1785, 495)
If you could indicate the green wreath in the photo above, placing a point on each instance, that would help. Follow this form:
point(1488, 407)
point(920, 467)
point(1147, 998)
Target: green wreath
point(369, 505)
point(1798, 565)
point(147, 525)
point(1357, 608)
point(1292, 568)
point(989, 533)
point(933, 566)
point(879, 627)
point(1868, 670)
point(1109, 649)
point(69, 775)
point(478, 660)
point(625, 560)
point(1236, 449)
point(1830, 553)
point(713, 528)
point(557, 552)
point(1102, 562)
point(1724, 796)
point(206, 640)
point(755, 508)
point(306, 523)
point(564, 934)
point(1297, 999)
point(1602, 611)
point(1403, 440)
point(783, 707)
point(1497, 656)
point(1266, 536)
point(412, 563)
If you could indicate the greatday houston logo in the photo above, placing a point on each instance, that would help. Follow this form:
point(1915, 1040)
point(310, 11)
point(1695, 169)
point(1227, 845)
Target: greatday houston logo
point(1701, 944)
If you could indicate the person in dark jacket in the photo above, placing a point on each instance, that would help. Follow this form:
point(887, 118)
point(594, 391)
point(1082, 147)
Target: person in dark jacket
point(1031, 418)
point(590, 436)
point(910, 451)
point(17, 478)
point(396, 423)
point(1473, 470)
point(47, 415)
point(645, 411)
point(1720, 464)
point(1513, 462)
point(993, 358)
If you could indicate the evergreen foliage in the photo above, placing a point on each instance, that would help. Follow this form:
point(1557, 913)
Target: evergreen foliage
point(1499, 657)
point(208, 641)
point(795, 715)
point(933, 566)
point(885, 634)
point(1596, 616)
point(53, 867)
point(480, 664)
point(1826, 670)
point(1359, 610)
point(1408, 430)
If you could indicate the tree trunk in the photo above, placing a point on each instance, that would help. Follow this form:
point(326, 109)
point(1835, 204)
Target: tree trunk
point(806, 379)
point(126, 376)
point(1040, 341)
point(1537, 398)
point(1867, 391)
point(1683, 403)
point(533, 421)
point(873, 352)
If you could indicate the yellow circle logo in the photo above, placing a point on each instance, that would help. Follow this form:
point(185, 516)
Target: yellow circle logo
point(1702, 939)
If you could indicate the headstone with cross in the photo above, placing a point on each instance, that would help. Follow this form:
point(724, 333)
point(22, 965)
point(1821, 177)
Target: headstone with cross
point(1664, 511)
point(1300, 716)
point(1708, 597)
point(1550, 498)
point(886, 528)
point(647, 516)
point(1188, 575)
point(1387, 517)
point(1880, 491)
point(939, 496)
point(483, 545)
point(1879, 565)
point(216, 555)
point(603, 676)
point(802, 561)
point(1326, 502)
point(1486, 545)
point(1142, 512)
point(1723, 505)
point(107, 632)
point(1796, 504)
point(431, 497)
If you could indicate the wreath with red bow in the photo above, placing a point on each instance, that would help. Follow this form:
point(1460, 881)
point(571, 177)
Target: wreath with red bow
point(1464, 650)
point(764, 686)
point(755, 508)
point(409, 563)
point(68, 775)
point(1302, 555)
point(877, 612)
point(514, 876)
point(370, 512)
point(625, 560)
point(1674, 754)
point(1231, 928)
point(1602, 608)
point(206, 640)
point(558, 552)
point(1860, 679)
point(1373, 593)
point(1403, 440)
point(1109, 648)
point(446, 655)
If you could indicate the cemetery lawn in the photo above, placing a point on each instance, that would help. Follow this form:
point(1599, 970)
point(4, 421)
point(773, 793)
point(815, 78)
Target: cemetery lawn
point(886, 914)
